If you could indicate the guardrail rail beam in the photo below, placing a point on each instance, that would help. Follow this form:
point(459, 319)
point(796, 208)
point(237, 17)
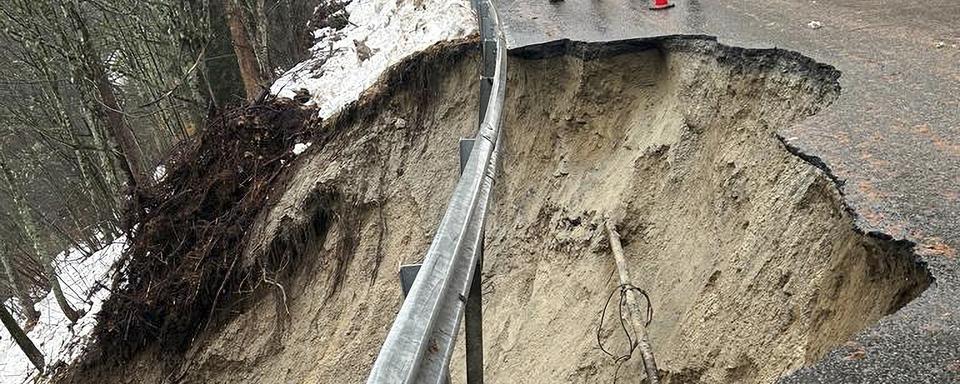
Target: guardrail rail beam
point(420, 342)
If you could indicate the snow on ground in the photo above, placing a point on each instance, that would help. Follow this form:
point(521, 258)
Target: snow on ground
point(83, 280)
point(300, 148)
point(380, 33)
point(159, 173)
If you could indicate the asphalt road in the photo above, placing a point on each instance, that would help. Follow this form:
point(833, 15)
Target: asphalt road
point(893, 136)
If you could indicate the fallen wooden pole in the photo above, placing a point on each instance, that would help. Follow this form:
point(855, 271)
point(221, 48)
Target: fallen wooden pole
point(633, 306)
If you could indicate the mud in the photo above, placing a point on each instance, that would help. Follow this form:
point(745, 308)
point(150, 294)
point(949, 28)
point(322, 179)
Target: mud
point(751, 258)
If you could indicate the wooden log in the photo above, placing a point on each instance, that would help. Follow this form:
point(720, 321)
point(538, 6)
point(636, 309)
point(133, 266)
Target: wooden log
point(21, 338)
point(634, 311)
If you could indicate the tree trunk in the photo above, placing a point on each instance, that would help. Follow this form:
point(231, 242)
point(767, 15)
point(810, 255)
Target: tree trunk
point(51, 272)
point(44, 170)
point(21, 338)
point(26, 224)
point(68, 311)
point(263, 40)
point(52, 93)
point(109, 106)
point(25, 301)
point(246, 57)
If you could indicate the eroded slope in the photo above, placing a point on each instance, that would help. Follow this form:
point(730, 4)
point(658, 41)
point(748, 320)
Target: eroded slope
point(748, 252)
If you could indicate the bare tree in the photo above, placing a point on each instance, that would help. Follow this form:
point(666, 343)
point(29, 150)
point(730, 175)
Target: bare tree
point(26, 302)
point(263, 39)
point(21, 338)
point(108, 105)
point(92, 94)
point(26, 223)
point(246, 56)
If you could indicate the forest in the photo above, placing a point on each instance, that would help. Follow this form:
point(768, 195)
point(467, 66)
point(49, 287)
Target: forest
point(94, 95)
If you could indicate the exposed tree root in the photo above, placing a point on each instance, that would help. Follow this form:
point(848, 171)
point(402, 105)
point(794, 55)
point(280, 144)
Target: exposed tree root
point(186, 232)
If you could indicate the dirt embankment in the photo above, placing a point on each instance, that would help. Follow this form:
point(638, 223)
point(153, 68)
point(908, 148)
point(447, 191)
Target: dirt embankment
point(750, 256)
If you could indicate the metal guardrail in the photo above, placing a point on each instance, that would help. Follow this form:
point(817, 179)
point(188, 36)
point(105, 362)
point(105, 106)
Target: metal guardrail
point(420, 342)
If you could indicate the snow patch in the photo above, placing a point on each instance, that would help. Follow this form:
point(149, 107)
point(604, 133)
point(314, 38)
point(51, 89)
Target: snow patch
point(84, 281)
point(379, 34)
point(159, 172)
point(300, 147)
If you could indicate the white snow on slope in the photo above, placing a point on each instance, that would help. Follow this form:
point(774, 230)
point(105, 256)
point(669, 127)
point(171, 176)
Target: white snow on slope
point(391, 29)
point(83, 281)
point(300, 148)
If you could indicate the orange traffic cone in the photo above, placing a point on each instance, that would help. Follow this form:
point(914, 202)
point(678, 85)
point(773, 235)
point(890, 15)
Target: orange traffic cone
point(661, 4)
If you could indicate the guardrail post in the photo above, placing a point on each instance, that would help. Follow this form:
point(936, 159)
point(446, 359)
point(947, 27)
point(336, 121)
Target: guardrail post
point(488, 49)
point(408, 273)
point(473, 315)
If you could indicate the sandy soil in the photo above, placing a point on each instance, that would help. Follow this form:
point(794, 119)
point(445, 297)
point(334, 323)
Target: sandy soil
point(748, 252)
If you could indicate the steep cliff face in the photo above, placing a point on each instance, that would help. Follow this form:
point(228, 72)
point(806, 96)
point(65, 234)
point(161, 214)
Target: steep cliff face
point(751, 259)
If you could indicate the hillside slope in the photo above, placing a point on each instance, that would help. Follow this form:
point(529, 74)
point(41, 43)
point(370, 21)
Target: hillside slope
point(750, 256)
